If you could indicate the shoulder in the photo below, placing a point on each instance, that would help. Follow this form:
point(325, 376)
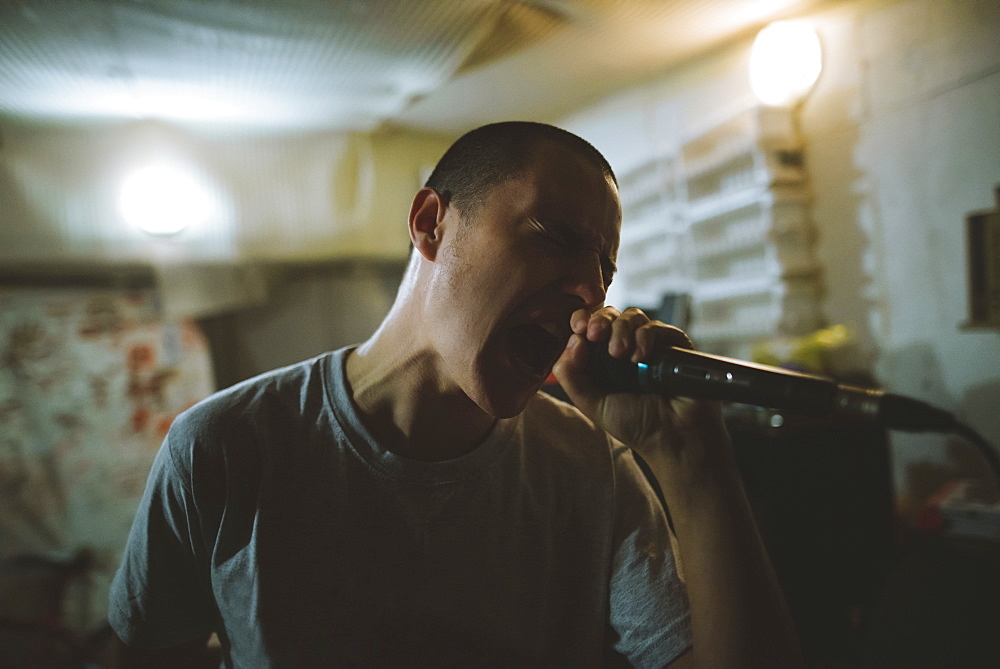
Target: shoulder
point(284, 404)
point(295, 390)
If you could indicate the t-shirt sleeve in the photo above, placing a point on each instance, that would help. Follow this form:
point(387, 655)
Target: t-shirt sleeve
point(159, 596)
point(649, 614)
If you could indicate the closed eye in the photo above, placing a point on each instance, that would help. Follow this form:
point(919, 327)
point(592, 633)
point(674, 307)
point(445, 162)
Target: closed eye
point(551, 234)
point(569, 242)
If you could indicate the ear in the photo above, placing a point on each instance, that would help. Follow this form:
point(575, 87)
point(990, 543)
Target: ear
point(426, 218)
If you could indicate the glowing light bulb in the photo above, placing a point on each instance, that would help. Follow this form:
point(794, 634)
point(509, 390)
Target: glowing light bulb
point(164, 199)
point(785, 62)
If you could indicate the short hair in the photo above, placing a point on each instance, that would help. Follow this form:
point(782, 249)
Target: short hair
point(483, 158)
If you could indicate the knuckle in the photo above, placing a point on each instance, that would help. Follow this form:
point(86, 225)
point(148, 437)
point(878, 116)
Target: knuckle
point(674, 336)
point(646, 333)
point(657, 334)
point(610, 312)
point(635, 314)
point(623, 325)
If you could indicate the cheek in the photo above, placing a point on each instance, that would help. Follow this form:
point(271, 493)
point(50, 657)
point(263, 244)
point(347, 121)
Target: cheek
point(488, 288)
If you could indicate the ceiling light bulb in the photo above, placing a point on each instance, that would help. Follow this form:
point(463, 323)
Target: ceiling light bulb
point(785, 62)
point(163, 200)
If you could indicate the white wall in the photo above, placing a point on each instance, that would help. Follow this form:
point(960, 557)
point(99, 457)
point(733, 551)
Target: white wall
point(309, 310)
point(298, 197)
point(902, 141)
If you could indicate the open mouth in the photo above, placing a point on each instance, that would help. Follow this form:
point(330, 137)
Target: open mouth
point(534, 347)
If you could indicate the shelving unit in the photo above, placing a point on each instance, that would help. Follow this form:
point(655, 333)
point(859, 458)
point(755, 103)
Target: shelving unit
point(725, 219)
point(653, 241)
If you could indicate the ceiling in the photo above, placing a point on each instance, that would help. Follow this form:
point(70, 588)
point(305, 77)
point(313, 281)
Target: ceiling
point(286, 65)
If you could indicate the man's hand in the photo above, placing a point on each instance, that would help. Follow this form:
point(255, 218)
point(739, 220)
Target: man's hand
point(656, 426)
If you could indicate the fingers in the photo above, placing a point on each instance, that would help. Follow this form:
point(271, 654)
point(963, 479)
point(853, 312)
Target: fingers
point(571, 370)
point(594, 325)
point(623, 329)
point(629, 334)
point(655, 337)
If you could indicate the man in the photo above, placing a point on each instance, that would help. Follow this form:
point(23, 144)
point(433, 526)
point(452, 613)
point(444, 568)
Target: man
point(415, 501)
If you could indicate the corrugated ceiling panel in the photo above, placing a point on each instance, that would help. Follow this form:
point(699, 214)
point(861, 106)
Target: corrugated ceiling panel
point(292, 63)
point(344, 64)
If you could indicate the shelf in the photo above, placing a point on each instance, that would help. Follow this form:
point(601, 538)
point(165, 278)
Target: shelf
point(639, 231)
point(723, 161)
point(717, 250)
point(728, 289)
point(710, 207)
point(726, 219)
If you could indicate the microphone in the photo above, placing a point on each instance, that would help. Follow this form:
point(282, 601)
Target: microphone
point(688, 373)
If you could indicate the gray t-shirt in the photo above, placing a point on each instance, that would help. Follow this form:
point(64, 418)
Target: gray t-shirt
point(273, 517)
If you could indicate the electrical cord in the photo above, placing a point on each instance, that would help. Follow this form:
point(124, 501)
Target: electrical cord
point(984, 447)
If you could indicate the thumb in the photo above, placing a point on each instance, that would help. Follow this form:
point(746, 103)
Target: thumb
point(574, 376)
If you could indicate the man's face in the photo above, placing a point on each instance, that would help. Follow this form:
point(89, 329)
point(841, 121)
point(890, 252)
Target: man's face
point(509, 276)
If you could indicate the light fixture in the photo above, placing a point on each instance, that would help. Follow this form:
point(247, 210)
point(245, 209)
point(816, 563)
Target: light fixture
point(164, 199)
point(785, 62)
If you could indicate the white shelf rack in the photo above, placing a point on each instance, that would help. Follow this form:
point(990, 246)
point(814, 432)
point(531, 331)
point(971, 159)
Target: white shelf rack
point(724, 218)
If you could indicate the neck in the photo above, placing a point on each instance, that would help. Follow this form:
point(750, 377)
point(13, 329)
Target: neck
point(407, 403)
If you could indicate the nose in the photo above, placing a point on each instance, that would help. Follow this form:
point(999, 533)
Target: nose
point(586, 281)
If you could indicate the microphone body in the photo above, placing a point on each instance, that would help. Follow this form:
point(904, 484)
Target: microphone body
point(689, 373)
